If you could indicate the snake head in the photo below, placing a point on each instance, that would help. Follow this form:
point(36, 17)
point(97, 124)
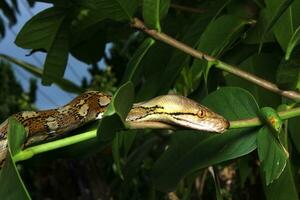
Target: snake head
point(179, 111)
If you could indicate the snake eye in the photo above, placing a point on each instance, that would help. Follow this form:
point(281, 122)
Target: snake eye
point(201, 113)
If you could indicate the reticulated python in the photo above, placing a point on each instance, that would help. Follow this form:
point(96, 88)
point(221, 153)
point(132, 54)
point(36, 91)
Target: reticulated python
point(163, 111)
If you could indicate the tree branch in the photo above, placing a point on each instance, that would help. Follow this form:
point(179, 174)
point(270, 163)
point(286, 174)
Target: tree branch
point(31, 151)
point(251, 122)
point(187, 9)
point(136, 23)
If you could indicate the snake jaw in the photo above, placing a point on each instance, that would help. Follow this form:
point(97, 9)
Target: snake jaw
point(177, 110)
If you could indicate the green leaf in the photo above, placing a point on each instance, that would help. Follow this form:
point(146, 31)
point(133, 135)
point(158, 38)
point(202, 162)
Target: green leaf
point(115, 9)
point(88, 45)
point(134, 69)
point(287, 24)
point(12, 186)
point(40, 31)
point(48, 30)
point(218, 36)
point(272, 155)
point(193, 150)
point(295, 39)
point(57, 57)
point(261, 65)
point(275, 10)
point(254, 36)
point(115, 115)
point(163, 61)
point(284, 187)
point(190, 151)
point(64, 84)
point(288, 73)
point(152, 10)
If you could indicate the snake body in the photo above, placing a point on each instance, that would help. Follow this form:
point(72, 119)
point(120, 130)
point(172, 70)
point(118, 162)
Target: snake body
point(161, 112)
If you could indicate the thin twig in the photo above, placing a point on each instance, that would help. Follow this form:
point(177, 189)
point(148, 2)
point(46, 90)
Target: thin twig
point(136, 23)
point(187, 9)
point(251, 122)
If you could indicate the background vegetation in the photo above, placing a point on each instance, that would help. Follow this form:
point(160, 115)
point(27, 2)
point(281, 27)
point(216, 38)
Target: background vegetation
point(238, 57)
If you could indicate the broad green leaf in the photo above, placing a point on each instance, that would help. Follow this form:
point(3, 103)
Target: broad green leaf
point(190, 151)
point(92, 12)
point(133, 69)
point(12, 186)
point(295, 39)
point(271, 117)
point(114, 9)
point(48, 30)
point(114, 118)
point(64, 84)
point(40, 31)
point(218, 36)
point(284, 187)
point(275, 10)
point(193, 150)
point(288, 74)
point(57, 57)
point(88, 45)
point(261, 65)
point(272, 154)
point(152, 11)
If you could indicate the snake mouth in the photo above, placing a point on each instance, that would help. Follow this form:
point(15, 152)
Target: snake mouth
point(214, 124)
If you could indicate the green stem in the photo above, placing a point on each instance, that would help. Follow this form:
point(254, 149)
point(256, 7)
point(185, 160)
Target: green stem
point(251, 122)
point(31, 151)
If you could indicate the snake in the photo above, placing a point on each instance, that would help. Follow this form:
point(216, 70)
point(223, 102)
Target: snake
point(166, 111)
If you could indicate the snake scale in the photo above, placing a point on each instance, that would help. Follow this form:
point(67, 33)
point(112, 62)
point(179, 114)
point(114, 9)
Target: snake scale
point(161, 112)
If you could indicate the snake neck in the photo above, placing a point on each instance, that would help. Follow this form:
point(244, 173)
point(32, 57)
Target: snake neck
point(46, 125)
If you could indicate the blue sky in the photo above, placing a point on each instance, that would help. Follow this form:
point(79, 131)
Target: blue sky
point(47, 97)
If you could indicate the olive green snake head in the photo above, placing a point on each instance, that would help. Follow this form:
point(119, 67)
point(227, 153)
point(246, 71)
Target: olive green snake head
point(178, 111)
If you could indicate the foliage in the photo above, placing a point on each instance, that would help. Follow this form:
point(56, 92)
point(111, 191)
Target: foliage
point(246, 162)
point(12, 96)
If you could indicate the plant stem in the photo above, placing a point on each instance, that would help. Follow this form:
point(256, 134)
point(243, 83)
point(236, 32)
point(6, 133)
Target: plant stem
point(251, 122)
point(136, 23)
point(187, 9)
point(31, 151)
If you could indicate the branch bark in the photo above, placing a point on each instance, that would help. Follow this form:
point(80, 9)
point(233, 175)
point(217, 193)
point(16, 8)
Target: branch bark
point(138, 24)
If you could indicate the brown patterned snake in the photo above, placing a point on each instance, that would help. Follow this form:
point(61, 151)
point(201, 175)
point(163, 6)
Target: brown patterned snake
point(163, 111)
